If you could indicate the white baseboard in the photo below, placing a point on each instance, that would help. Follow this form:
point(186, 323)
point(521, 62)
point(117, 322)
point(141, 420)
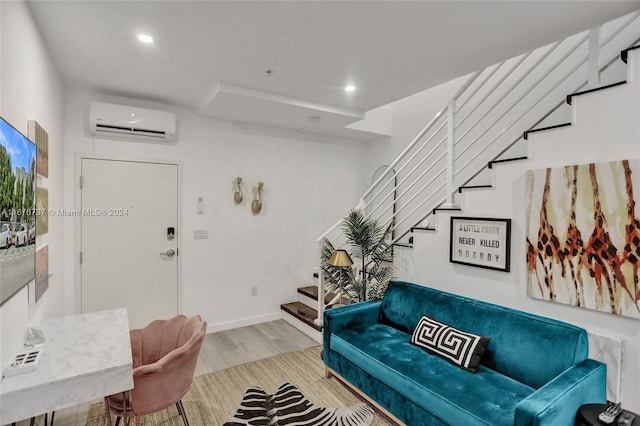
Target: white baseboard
point(222, 326)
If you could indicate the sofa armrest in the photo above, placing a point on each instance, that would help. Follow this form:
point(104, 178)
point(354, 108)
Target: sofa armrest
point(355, 315)
point(557, 402)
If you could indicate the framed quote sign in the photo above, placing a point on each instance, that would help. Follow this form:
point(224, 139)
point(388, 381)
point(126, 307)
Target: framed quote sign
point(481, 242)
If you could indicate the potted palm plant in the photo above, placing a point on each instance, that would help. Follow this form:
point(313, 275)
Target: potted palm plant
point(369, 245)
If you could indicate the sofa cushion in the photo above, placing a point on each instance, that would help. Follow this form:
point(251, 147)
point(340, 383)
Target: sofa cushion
point(550, 346)
point(459, 398)
point(456, 346)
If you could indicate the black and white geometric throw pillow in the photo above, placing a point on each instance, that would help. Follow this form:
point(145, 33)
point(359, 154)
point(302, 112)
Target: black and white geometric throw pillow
point(458, 347)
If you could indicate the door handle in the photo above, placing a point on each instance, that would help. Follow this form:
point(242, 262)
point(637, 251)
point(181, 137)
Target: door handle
point(168, 253)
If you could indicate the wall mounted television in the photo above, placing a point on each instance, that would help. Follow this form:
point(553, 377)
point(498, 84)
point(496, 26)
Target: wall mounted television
point(17, 210)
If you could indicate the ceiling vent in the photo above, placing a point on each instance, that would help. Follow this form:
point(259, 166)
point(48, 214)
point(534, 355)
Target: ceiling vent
point(121, 121)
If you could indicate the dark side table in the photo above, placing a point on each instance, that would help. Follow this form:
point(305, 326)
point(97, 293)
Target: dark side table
point(588, 416)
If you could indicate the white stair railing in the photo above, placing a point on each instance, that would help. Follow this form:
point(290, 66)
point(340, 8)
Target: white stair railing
point(485, 118)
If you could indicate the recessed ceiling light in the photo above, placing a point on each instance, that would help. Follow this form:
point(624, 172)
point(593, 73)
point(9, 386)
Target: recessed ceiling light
point(350, 88)
point(145, 38)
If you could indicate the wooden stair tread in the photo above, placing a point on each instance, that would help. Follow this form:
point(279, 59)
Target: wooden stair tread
point(463, 187)
point(624, 55)
point(402, 245)
point(303, 313)
point(525, 135)
point(311, 291)
point(595, 89)
point(505, 160)
point(447, 209)
point(422, 228)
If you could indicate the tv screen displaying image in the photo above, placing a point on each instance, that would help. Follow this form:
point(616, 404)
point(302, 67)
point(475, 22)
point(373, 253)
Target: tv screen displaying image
point(17, 210)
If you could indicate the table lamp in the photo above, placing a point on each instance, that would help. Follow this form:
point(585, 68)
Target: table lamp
point(341, 259)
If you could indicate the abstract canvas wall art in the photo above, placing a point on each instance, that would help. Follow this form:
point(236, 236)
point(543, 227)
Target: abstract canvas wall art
point(42, 271)
point(41, 138)
point(583, 236)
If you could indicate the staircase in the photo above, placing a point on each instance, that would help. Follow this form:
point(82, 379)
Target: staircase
point(303, 313)
point(488, 124)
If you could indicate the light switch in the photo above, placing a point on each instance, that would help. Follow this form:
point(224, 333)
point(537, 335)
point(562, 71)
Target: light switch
point(201, 234)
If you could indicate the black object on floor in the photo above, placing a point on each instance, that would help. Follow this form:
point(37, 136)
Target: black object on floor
point(588, 416)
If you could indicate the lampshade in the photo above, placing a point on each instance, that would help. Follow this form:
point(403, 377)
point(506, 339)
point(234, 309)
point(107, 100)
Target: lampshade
point(340, 258)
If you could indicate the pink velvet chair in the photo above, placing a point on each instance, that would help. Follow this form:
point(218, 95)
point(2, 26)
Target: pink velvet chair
point(164, 359)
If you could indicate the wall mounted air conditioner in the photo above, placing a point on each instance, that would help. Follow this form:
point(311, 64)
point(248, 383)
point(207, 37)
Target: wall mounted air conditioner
point(121, 121)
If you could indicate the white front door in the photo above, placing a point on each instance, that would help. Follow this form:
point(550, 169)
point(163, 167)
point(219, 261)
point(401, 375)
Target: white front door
point(128, 255)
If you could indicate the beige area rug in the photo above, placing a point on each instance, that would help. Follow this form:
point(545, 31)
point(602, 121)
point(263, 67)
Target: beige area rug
point(214, 397)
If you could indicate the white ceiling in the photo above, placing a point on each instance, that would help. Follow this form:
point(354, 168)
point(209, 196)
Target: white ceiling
point(211, 56)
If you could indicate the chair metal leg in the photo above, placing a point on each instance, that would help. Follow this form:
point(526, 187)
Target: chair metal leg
point(124, 409)
point(106, 407)
point(53, 414)
point(182, 412)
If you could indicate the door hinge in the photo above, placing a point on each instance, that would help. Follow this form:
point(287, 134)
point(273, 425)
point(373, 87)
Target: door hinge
point(81, 258)
point(81, 182)
point(177, 252)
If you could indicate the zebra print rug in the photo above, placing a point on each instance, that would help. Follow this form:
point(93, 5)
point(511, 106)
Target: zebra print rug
point(289, 407)
point(214, 397)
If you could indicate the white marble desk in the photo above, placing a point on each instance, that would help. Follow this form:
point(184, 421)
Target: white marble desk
point(85, 357)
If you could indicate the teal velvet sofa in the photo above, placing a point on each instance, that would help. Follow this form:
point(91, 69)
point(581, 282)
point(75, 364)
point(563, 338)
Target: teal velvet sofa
point(535, 370)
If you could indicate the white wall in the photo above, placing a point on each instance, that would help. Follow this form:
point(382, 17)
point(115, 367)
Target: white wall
point(408, 117)
point(310, 182)
point(606, 128)
point(31, 89)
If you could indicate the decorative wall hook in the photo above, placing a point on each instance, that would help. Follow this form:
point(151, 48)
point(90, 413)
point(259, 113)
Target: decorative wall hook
point(256, 205)
point(237, 194)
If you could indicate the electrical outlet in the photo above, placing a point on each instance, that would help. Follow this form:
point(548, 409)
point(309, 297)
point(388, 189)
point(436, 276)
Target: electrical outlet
point(254, 290)
point(24, 362)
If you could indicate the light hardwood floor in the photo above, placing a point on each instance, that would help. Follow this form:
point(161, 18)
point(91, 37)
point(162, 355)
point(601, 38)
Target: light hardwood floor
point(219, 351)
